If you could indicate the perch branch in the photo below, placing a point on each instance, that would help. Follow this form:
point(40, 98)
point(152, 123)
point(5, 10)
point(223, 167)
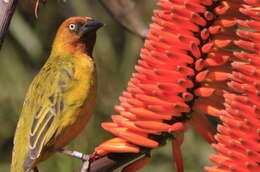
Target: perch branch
point(126, 14)
point(113, 161)
point(7, 8)
point(110, 162)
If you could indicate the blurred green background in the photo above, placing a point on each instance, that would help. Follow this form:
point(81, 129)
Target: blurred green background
point(27, 47)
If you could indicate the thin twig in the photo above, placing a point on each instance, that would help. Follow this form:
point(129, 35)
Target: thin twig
point(7, 8)
point(126, 14)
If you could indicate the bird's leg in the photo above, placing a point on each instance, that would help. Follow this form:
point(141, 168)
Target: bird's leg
point(74, 154)
point(35, 169)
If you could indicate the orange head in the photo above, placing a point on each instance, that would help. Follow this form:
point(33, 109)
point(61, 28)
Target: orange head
point(76, 35)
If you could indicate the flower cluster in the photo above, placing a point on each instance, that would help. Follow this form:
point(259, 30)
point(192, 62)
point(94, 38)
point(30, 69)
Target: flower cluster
point(200, 57)
point(239, 135)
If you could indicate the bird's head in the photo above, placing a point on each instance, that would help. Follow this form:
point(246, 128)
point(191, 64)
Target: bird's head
point(77, 35)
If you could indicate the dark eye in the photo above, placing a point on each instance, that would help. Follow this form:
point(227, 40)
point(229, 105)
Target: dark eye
point(72, 27)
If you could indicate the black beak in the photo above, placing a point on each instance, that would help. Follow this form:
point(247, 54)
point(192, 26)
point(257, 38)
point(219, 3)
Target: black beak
point(90, 26)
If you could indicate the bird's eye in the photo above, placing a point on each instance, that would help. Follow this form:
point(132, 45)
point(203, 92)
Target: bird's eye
point(72, 26)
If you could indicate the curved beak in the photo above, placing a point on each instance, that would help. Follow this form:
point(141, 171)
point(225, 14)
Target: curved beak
point(90, 26)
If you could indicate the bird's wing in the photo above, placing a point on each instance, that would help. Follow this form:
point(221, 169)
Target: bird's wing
point(48, 90)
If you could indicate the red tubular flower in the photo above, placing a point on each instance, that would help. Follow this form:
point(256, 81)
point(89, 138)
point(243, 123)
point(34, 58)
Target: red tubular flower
point(189, 67)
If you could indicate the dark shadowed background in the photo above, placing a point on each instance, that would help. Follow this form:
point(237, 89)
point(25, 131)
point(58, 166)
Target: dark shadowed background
point(27, 47)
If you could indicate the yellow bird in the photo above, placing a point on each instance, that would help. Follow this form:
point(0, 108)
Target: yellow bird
point(61, 97)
